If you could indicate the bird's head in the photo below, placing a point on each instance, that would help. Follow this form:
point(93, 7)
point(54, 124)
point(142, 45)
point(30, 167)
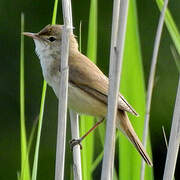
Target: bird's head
point(49, 40)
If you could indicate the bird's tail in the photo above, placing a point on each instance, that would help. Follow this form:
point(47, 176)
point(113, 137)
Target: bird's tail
point(125, 126)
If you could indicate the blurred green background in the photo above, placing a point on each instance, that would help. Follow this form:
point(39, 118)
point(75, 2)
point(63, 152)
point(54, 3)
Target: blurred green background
point(37, 15)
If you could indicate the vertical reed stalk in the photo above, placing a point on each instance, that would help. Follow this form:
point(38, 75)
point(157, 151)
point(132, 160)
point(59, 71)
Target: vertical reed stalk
point(63, 92)
point(74, 117)
point(120, 10)
point(76, 149)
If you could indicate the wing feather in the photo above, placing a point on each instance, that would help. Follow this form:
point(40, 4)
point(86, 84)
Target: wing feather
point(88, 77)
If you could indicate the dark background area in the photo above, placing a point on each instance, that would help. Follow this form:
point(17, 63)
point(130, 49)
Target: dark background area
point(37, 15)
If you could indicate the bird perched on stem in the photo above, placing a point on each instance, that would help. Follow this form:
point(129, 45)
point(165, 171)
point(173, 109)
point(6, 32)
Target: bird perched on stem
point(87, 87)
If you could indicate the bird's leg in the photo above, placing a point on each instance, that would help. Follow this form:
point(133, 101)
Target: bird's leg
point(74, 142)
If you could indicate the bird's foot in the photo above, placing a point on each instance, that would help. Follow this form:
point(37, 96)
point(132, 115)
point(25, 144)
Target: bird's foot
point(75, 142)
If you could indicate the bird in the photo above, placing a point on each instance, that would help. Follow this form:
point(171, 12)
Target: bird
point(87, 84)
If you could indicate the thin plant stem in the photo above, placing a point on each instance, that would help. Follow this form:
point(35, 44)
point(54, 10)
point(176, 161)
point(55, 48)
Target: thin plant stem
point(76, 149)
point(74, 117)
point(63, 91)
point(165, 138)
point(25, 171)
point(151, 81)
point(35, 164)
point(120, 12)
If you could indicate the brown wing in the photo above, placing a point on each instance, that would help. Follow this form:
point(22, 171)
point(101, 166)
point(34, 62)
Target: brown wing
point(87, 76)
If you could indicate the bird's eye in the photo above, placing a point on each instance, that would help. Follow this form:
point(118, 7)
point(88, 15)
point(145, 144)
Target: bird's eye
point(51, 38)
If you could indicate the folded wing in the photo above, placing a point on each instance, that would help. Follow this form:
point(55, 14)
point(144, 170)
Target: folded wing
point(88, 77)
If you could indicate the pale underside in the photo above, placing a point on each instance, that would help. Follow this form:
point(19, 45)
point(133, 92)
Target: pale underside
point(83, 103)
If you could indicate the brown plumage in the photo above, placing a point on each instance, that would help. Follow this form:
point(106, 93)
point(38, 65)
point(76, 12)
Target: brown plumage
point(88, 86)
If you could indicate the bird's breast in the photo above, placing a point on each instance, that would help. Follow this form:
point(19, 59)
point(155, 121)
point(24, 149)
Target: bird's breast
point(50, 69)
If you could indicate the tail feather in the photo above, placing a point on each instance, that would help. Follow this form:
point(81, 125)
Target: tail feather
point(125, 126)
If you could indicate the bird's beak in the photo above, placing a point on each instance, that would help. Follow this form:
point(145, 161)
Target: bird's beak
point(32, 35)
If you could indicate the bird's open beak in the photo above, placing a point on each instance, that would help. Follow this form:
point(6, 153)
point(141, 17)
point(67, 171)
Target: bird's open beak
point(32, 35)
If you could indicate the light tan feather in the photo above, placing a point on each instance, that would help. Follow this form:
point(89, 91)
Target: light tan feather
point(89, 78)
point(125, 126)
